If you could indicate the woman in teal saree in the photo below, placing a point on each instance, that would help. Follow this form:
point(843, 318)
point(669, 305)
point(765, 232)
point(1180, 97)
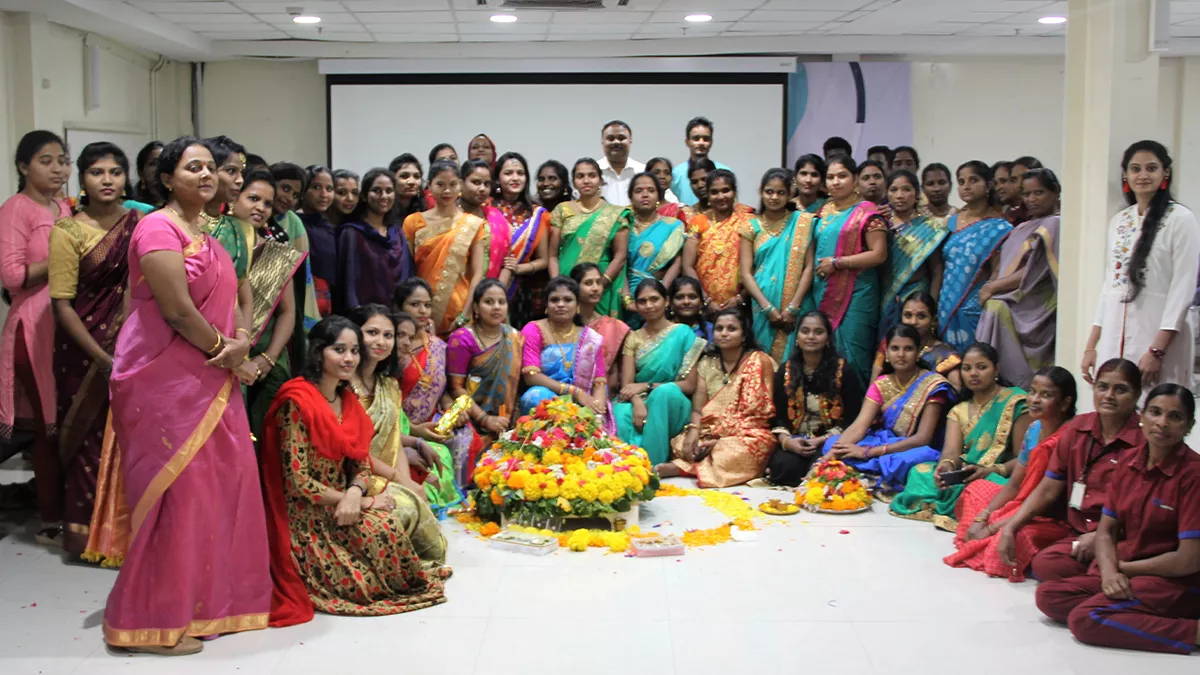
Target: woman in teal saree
point(777, 266)
point(657, 358)
point(810, 184)
point(979, 433)
point(590, 229)
point(850, 237)
point(914, 266)
point(655, 241)
point(976, 232)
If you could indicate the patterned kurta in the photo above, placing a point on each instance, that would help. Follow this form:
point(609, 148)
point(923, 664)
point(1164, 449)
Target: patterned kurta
point(386, 563)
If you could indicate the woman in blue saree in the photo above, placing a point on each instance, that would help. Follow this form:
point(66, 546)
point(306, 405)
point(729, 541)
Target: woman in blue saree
point(914, 265)
point(900, 417)
point(850, 237)
point(657, 359)
point(976, 232)
point(655, 241)
point(777, 265)
point(562, 357)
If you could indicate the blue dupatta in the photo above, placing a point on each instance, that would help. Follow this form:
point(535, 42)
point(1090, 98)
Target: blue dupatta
point(653, 249)
point(967, 252)
point(911, 247)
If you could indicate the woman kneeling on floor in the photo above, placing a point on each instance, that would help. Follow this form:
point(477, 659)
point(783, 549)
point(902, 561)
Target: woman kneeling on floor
point(332, 548)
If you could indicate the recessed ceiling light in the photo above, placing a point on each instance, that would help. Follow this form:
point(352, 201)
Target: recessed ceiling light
point(697, 18)
point(306, 19)
point(504, 18)
point(1052, 20)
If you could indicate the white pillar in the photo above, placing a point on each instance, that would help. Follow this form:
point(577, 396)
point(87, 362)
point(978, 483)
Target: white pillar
point(1111, 102)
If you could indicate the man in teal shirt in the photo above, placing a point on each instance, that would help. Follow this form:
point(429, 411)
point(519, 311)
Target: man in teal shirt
point(699, 136)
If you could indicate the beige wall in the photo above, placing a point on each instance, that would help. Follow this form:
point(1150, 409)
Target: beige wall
point(275, 108)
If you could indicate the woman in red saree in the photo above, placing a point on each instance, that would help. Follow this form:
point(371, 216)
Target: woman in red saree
point(197, 563)
point(985, 506)
point(88, 271)
point(333, 549)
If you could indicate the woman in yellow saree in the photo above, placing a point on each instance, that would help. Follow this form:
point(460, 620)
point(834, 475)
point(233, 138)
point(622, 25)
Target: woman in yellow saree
point(590, 229)
point(713, 249)
point(449, 248)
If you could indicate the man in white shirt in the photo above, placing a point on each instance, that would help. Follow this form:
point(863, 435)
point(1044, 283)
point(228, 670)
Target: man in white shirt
point(616, 168)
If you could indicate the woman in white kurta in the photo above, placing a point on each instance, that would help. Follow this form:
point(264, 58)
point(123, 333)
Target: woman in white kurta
point(1153, 257)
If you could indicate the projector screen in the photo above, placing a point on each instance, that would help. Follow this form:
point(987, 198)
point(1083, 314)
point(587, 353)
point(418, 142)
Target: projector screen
point(372, 122)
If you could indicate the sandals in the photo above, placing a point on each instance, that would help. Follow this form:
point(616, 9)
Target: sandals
point(187, 646)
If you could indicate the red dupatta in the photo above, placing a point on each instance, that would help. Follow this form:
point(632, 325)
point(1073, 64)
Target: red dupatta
point(839, 289)
point(348, 439)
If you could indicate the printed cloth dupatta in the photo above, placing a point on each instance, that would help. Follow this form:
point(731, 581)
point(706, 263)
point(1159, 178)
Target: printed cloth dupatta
point(839, 287)
point(967, 252)
point(910, 248)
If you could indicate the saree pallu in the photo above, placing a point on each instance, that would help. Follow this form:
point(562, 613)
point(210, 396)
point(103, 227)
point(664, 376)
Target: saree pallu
point(1021, 324)
point(778, 265)
point(941, 358)
point(442, 253)
point(850, 298)
point(272, 267)
point(982, 555)
point(386, 411)
point(967, 252)
point(718, 254)
point(490, 377)
point(422, 384)
point(307, 312)
point(985, 443)
point(587, 237)
point(813, 208)
point(613, 331)
point(81, 384)
point(525, 297)
point(652, 250)
point(738, 417)
point(198, 562)
point(911, 247)
point(499, 241)
point(322, 259)
point(900, 415)
point(662, 361)
point(580, 364)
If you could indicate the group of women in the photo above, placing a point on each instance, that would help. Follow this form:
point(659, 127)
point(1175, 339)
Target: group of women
point(299, 459)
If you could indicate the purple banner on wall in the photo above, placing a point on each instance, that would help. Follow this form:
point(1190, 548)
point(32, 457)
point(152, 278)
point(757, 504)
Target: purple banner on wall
point(865, 103)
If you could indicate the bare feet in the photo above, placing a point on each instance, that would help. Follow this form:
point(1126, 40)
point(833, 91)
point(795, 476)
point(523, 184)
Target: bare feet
point(185, 647)
point(667, 470)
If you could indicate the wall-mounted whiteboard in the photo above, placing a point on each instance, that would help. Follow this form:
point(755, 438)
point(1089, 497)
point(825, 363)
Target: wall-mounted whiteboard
point(129, 141)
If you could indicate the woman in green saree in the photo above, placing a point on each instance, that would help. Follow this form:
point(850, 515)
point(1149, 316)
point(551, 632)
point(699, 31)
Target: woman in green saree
point(914, 264)
point(589, 229)
point(657, 359)
point(273, 312)
point(777, 265)
point(979, 443)
point(809, 180)
point(378, 390)
point(655, 241)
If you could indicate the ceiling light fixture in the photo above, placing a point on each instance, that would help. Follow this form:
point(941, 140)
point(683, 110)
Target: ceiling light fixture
point(1052, 20)
point(306, 19)
point(697, 18)
point(504, 18)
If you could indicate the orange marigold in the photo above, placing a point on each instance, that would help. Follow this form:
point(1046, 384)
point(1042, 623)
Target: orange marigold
point(497, 498)
point(489, 529)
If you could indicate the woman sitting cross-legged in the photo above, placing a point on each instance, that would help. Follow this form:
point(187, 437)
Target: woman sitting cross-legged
point(729, 440)
point(816, 396)
point(332, 548)
point(979, 433)
point(900, 416)
point(562, 357)
point(985, 507)
point(653, 402)
point(1141, 591)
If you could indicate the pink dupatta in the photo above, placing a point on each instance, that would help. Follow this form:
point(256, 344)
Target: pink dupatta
point(498, 241)
point(852, 241)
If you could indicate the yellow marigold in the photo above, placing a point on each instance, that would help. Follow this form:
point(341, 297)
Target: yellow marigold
point(482, 480)
point(670, 490)
point(532, 491)
point(517, 479)
point(618, 542)
point(551, 489)
point(606, 496)
point(569, 489)
point(588, 492)
point(579, 540)
point(814, 496)
point(552, 457)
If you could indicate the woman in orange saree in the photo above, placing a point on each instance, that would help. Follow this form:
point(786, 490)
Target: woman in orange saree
point(729, 440)
point(450, 249)
point(711, 253)
point(197, 563)
point(985, 507)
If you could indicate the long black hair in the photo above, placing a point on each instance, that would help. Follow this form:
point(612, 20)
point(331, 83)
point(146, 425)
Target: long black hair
point(498, 193)
point(28, 148)
point(823, 380)
point(1064, 382)
point(749, 343)
point(364, 188)
point(905, 331)
point(94, 152)
point(326, 333)
point(1152, 223)
point(360, 316)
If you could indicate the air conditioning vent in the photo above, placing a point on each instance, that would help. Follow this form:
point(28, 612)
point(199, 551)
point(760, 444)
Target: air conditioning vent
point(554, 4)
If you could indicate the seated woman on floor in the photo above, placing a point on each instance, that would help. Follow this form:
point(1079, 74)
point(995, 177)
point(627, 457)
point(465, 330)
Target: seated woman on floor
point(728, 441)
point(1141, 593)
point(900, 417)
point(562, 357)
point(332, 548)
point(687, 303)
point(653, 405)
point(1083, 460)
point(816, 396)
point(985, 507)
point(979, 432)
point(920, 311)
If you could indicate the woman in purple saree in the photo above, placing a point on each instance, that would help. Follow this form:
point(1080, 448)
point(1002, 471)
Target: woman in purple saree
point(198, 562)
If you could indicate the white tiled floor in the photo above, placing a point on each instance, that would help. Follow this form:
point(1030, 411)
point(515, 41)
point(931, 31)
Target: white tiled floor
point(801, 597)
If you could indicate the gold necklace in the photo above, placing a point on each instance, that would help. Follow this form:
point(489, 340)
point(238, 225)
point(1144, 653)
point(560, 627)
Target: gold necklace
point(190, 226)
point(569, 338)
point(597, 207)
point(210, 221)
point(770, 227)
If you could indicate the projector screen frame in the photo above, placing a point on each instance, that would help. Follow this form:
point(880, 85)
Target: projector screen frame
point(780, 79)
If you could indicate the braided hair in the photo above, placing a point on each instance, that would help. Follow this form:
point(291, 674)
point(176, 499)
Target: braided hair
point(1152, 223)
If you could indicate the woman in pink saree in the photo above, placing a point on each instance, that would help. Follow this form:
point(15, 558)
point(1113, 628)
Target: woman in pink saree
point(198, 561)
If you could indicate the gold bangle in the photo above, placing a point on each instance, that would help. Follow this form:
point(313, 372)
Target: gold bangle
point(270, 361)
point(217, 347)
point(242, 330)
